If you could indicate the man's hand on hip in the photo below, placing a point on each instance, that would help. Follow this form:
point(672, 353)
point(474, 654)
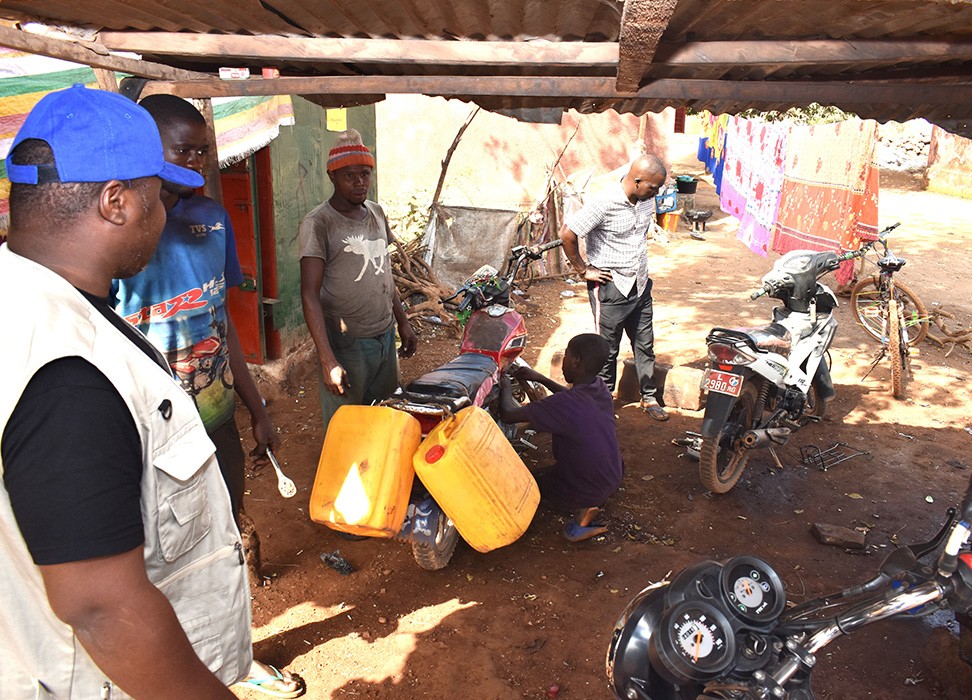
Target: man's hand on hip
point(596, 274)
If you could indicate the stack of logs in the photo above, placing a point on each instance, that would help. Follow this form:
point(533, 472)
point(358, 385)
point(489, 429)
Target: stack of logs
point(420, 288)
point(961, 336)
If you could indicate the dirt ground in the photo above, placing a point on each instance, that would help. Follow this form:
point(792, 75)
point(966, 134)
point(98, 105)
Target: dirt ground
point(516, 622)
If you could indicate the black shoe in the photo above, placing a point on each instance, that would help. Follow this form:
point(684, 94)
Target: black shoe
point(351, 537)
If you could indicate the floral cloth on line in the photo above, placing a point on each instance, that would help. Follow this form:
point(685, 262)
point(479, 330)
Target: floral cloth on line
point(829, 199)
point(754, 170)
point(712, 146)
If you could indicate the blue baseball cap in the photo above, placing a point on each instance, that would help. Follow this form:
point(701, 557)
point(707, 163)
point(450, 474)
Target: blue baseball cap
point(96, 136)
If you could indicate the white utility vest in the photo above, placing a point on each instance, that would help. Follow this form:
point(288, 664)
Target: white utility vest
point(193, 552)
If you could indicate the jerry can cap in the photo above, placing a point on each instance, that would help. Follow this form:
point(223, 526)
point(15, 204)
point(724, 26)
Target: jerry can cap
point(434, 454)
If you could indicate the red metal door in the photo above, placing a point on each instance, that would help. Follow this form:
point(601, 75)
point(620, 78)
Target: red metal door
point(244, 302)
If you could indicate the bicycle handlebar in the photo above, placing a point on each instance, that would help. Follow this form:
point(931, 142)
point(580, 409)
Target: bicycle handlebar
point(862, 251)
point(884, 234)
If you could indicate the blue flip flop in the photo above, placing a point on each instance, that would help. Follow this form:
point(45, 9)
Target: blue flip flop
point(266, 684)
point(575, 532)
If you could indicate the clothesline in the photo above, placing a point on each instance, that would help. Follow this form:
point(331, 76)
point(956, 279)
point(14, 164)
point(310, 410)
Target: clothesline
point(795, 186)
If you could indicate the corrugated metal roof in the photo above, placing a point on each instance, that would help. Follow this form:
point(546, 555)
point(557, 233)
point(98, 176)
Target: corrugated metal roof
point(889, 60)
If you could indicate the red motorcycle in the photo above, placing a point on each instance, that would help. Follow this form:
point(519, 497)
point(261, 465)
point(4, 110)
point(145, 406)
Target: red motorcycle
point(199, 366)
point(493, 338)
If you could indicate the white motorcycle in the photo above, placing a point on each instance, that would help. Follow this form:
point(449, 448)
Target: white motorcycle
point(765, 382)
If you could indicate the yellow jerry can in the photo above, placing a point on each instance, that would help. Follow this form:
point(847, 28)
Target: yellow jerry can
point(478, 479)
point(365, 473)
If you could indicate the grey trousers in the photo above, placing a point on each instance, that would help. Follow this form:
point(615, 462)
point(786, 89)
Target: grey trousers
point(372, 367)
point(616, 315)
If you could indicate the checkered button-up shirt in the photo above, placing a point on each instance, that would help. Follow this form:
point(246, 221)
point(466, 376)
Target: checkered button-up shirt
point(616, 231)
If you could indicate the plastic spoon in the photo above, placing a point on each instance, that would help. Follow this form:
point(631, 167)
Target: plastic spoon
point(285, 485)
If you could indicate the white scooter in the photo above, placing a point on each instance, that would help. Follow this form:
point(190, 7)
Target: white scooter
point(765, 382)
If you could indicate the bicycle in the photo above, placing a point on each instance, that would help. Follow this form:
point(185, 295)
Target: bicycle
point(889, 311)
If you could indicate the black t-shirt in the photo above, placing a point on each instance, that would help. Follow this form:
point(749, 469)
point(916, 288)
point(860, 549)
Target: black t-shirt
point(72, 460)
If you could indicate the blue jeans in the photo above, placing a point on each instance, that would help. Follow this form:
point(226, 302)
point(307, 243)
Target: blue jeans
point(372, 367)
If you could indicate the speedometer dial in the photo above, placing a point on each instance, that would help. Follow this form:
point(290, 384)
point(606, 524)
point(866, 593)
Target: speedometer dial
point(753, 590)
point(695, 642)
point(696, 638)
point(748, 592)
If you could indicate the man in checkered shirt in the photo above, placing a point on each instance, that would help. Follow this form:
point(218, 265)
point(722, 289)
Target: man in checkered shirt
point(615, 226)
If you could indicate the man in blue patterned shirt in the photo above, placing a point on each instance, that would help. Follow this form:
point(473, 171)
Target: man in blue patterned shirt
point(615, 227)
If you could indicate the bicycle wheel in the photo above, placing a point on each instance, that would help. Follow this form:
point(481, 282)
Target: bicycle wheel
point(897, 350)
point(868, 308)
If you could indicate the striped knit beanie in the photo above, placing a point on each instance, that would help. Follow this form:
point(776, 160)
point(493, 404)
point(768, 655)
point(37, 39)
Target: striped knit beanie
point(349, 150)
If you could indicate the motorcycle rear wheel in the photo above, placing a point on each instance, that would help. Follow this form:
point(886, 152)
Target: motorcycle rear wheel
point(435, 556)
point(721, 458)
point(815, 408)
point(898, 351)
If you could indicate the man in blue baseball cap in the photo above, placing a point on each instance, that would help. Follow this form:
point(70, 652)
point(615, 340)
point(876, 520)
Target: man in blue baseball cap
point(121, 567)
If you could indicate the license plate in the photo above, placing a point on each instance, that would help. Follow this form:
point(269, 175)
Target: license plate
point(722, 382)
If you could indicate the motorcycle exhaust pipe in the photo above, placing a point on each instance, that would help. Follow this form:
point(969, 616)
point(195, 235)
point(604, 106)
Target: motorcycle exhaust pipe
point(752, 439)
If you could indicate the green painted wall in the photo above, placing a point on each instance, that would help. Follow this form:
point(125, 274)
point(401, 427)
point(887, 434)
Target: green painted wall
point(298, 161)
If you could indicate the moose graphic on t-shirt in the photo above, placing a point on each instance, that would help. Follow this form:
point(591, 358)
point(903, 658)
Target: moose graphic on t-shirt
point(373, 251)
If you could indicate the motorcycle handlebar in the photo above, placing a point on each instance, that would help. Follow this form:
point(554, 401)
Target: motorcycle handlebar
point(556, 243)
point(759, 293)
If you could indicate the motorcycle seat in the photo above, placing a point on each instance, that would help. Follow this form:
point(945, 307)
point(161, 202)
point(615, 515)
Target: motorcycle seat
point(459, 378)
point(772, 337)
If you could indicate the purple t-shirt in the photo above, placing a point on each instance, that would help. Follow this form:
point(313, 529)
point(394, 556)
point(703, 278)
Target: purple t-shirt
point(585, 445)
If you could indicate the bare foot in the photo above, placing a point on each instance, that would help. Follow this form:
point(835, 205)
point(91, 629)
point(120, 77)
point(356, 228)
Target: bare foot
point(585, 516)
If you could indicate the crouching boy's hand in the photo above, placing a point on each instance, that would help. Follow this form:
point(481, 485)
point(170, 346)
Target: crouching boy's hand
point(525, 374)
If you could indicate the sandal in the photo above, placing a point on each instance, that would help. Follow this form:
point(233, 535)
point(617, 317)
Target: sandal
point(575, 532)
point(277, 685)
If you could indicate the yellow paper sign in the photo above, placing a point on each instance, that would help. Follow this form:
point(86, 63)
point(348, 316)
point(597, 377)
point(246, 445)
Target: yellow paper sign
point(337, 119)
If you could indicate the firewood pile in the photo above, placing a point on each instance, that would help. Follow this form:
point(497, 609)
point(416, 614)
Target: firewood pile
point(420, 288)
point(952, 337)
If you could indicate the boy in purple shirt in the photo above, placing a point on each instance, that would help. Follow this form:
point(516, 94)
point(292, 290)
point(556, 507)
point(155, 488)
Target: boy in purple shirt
point(588, 466)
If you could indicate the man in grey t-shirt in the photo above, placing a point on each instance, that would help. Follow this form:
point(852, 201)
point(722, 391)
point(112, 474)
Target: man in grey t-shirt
point(350, 302)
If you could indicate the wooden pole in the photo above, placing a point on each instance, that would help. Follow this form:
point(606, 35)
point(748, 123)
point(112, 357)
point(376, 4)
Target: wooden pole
point(448, 156)
point(106, 79)
point(214, 184)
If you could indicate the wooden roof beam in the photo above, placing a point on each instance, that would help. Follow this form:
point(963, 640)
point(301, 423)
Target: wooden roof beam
point(396, 51)
point(274, 48)
point(840, 93)
point(642, 24)
point(80, 53)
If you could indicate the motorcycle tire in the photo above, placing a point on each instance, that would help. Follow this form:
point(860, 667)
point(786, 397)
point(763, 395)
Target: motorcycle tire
point(897, 350)
point(435, 556)
point(721, 460)
point(868, 309)
point(815, 408)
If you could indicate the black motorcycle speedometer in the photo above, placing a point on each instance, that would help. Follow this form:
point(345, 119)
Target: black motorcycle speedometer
point(753, 591)
point(694, 642)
